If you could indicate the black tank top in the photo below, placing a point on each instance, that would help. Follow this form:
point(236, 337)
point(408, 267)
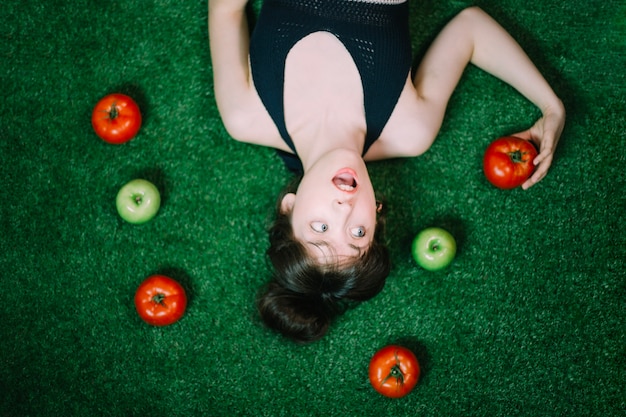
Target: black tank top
point(376, 36)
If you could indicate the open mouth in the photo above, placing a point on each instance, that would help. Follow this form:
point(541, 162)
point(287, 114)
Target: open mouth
point(345, 180)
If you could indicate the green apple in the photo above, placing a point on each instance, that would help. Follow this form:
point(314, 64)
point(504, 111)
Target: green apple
point(434, 248)
point(138, 201)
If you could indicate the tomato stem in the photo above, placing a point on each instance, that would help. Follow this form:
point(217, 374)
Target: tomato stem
point(517, 156)
point(113, 113)
point(159, 299)
point(396, 373)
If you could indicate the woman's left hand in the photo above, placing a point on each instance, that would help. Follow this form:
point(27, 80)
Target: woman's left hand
point(545, 134)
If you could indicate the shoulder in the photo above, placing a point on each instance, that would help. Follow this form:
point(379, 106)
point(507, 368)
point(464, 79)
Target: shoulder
point(410, 131)
point(248, 121)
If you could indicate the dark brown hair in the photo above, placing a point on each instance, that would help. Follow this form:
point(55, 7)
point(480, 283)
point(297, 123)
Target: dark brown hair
point(304, 297)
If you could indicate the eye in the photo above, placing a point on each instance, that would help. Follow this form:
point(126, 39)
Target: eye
point(319, 227)
point(358, 231)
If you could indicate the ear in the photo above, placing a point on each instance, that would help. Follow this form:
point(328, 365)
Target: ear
point(286, 205)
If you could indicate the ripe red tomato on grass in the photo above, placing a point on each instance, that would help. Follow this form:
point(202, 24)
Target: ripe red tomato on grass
point(160, 300)
point(116, 118)
point(394, 371)
point(508, 161)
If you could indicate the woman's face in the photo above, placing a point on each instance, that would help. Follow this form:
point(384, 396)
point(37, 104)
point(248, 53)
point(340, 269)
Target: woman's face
point(333, 212)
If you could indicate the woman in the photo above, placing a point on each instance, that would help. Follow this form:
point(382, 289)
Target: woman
point(328, 84)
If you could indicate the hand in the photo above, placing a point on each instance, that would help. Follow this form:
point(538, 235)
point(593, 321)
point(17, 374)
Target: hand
point(545, 134)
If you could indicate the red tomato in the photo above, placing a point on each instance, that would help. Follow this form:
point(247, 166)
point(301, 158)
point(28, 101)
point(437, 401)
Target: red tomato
point(394, 371)
point(160, 300)
point(116, 118)
point(508, 162)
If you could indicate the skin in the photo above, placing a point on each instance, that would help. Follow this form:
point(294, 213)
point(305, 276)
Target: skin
point(335, 224)
point(324, 107)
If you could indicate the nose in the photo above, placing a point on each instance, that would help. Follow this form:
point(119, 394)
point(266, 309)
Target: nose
point(343, 204)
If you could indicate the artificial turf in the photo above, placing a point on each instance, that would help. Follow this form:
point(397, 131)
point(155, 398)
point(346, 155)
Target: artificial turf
point(528, 320)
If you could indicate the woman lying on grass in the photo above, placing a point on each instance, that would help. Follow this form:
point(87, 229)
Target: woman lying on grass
point(328, 84)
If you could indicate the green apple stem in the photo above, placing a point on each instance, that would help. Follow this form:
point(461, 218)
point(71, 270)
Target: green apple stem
point(138, 199)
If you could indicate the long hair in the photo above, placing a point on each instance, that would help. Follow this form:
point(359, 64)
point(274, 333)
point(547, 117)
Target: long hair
point(304, 297)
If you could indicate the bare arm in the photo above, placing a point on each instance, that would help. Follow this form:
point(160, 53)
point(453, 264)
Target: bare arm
point(229, 43)
point(242, 112)
point(474, 37)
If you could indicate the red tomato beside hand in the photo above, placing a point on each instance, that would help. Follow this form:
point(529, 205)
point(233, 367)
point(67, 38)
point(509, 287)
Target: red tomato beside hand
point(160, 300)
point(508, 162)
point(116, 118)
point(394, 371)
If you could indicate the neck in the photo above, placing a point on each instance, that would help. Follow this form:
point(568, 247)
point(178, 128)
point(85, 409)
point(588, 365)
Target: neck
point(321, 142)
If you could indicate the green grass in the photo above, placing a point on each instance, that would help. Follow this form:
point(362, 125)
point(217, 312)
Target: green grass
point(528, 321)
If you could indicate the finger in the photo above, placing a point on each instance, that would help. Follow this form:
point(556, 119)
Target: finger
point(529, 183)
point(534, 179)
point(540, 172)
point(542, 157)
point(546, 149)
